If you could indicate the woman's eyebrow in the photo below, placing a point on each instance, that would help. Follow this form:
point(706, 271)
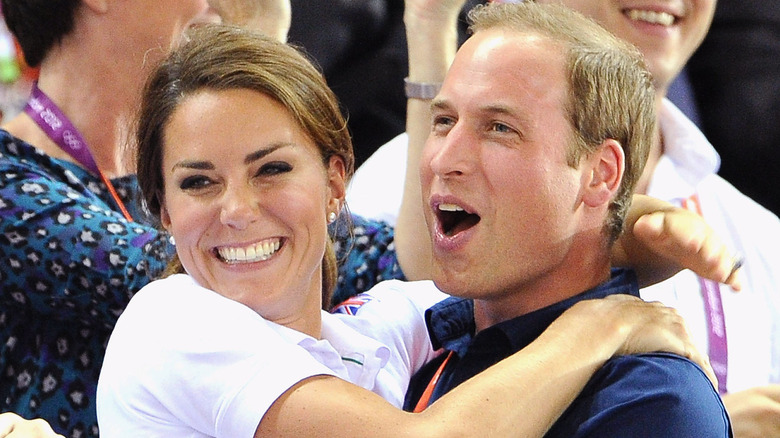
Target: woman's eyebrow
point(260, 153)
point(250, 158)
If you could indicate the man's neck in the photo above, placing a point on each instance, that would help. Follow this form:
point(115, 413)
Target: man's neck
point(576, 274)
point(655, 153)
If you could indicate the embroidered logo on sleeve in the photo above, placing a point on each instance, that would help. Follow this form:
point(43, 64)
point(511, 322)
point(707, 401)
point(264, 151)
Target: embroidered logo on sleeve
point(350, 306)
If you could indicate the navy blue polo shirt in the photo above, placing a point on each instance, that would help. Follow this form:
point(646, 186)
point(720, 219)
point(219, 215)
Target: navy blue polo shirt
point(645, 395)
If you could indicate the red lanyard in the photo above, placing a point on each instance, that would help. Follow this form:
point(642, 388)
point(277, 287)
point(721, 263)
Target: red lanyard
point(425, 398)
point(716, 320)
point(61, 131)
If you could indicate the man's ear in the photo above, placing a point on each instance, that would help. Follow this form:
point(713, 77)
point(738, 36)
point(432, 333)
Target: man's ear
point(604, 174)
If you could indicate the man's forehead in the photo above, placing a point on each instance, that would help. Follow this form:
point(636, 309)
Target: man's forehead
point(499, 64)
point(501, 50)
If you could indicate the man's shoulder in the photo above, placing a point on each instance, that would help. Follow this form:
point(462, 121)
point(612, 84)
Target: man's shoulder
point(638, 395)
point(659, 371)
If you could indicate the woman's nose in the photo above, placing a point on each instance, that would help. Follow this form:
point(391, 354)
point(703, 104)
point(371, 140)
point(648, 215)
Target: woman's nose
point(239, 208)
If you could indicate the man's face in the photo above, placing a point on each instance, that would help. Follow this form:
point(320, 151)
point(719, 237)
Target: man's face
point(500, 196)
point(666, 31)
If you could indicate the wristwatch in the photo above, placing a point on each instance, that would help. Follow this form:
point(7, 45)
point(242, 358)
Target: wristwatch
point(421, 90)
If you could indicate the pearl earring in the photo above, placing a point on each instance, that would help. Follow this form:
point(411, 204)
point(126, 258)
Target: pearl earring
point(331, 217)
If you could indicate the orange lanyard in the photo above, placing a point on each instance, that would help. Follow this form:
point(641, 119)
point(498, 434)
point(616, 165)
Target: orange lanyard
point(426, 395)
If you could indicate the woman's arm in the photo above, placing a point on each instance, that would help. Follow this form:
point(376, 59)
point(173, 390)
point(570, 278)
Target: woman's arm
point(661, 239)
point(522, 395)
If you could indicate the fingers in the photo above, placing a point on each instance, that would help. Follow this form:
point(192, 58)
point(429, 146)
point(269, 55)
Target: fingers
point(13, 426)
point(7, 421)
point(733, 278)
point(704, 362)
point(771, 391)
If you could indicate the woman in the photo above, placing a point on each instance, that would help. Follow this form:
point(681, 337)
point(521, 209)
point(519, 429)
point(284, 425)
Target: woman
point(76, 245)
point(74, 260)
point(244, 158)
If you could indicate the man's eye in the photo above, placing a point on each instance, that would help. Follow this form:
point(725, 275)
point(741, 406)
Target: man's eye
point(195, 182)
point(274, 168)
point(442, 121)
point(442, 125)
point(500, 127)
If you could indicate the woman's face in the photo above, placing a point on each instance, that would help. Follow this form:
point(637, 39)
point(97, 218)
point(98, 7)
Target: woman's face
point(246, 198)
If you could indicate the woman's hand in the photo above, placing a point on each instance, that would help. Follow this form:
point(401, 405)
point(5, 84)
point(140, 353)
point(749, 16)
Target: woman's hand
point(685, 240)
point(14, 426)
point(624, 324)
point(661, 239)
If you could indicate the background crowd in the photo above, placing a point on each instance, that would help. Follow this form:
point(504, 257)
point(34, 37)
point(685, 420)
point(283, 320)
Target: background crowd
point(728, 89)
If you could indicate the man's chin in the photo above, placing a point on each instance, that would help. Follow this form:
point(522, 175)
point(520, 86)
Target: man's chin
point(209, 16)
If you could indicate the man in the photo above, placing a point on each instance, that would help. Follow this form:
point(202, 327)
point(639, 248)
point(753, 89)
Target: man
point(540, 132)
point(682, 170)
point(734, 78)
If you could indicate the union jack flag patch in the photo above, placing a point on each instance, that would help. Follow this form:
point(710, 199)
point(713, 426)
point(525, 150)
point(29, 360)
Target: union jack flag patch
point(350, 306)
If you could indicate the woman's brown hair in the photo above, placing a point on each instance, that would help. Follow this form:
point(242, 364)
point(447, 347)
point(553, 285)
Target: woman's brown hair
point(220, 57)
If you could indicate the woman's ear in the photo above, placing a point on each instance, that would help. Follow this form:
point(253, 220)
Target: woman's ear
point(165, 218)
point(605, 173)
point(337, 184)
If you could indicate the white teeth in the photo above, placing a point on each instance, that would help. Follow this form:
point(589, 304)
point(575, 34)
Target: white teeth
point(450, 207)
point(661, 18)
point(253, 253)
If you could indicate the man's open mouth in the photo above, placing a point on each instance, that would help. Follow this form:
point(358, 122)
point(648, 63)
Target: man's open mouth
point(454, 219)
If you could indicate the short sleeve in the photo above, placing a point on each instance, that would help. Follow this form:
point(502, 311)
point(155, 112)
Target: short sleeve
point(183, 358)
point(640, 395)
point(393, 313)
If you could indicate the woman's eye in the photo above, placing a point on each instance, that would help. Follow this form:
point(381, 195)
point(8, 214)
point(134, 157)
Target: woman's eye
point(195, 182)
point(274, 168)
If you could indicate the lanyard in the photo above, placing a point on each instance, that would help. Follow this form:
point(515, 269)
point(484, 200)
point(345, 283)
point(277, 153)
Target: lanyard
point(426, 395)
point(716, 321)
point(61, 131)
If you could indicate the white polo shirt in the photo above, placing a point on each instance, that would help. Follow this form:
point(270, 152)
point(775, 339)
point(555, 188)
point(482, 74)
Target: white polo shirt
point(185, 361)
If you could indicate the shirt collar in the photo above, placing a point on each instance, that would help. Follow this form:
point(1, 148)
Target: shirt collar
point(451, 322)
point(688, 156)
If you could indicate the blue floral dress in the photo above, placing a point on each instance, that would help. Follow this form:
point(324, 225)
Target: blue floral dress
point(72, 262)
point(71, 265)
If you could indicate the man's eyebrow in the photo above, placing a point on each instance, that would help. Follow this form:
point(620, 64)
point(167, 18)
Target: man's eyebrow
point(440, 104)
point(500, 109)
point(445, 105)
